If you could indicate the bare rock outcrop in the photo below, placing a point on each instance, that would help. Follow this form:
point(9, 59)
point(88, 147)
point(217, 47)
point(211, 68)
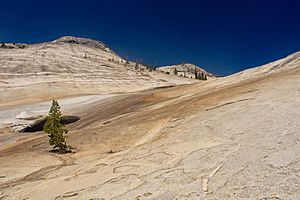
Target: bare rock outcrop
point(82, 41)
point(185, 70)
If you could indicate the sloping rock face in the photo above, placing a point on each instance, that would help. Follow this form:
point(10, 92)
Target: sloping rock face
point(185, 70)
point(235, 137)
point(289, 62)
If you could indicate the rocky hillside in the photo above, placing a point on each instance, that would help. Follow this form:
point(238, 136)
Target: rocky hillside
point(71, 66)
point(185, 70)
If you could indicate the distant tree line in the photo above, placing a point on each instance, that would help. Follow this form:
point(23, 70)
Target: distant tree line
point(138, 65)
point(12, 46)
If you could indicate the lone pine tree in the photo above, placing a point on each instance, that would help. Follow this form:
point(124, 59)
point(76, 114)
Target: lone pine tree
point(55, 129)
point(196, 75)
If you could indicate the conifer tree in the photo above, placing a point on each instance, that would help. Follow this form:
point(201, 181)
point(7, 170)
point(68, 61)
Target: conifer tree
point(175, 71)
point(202, 76)
point(55, 129)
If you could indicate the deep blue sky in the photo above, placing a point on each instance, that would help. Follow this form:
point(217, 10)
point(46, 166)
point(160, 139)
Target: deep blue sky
point(221, 36)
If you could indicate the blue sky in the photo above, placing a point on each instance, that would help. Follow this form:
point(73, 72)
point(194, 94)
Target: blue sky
point(221, 36)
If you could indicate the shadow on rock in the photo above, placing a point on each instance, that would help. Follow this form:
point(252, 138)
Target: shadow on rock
point(38, 124)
